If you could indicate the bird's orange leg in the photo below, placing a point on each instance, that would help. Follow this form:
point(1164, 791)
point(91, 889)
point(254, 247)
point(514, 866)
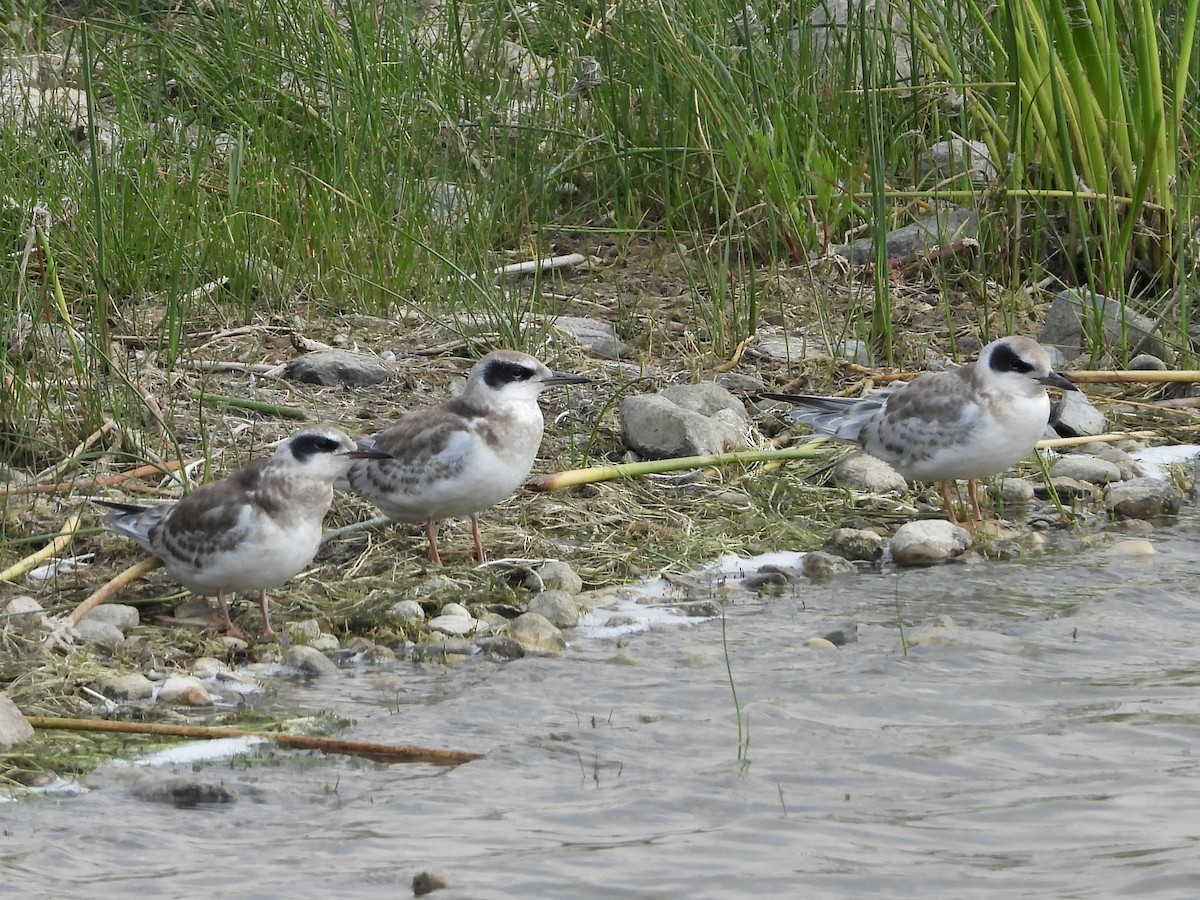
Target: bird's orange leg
point(431, 533)
point(479, 557)
point(267, 630)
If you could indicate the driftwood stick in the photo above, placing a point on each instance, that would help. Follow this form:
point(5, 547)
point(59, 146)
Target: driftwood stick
point(60, 543)
point(1108, 437)
point(381, 752)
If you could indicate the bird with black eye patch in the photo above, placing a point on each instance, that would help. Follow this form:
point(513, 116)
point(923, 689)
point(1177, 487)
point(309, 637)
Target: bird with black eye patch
point(250, 531)
point(970, 422)
point(462, 456)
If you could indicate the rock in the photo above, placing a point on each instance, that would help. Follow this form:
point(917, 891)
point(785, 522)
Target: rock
point(325, 642)
point(1014, 490)
point(378, 654)
point(707, 398)
point(182, 792)
point(789, 348)
point(738, 381)
point(184, 690)
point(500, 648)
point(1143, 498)
point(405, 610)
point(25, 614)
point(455, 609)
point(854, 543)
point(819, 643)
point(1146, 362)
point(536, 634)
point(1064, 326)
point(657, 428)
point(936, 230)
point(337, 367)
point(957, 156)
point(1132, 548)
point(928, 542)
point(437, 584)
point(456, 626)
point(821, 566)
point(13, 727)
point(559, 608)
point(438, 650)
point(1083, 467)
point(554, 575)
point(124, 618)
point(207, 667)
point(309, 661)
point(597, 338)
point(303, 632)
point(862, 472)
point(134, 686)
point(1067, 489)
point(1126, 464)
point(1074, 416)
point(100, 633)
point(427, 882)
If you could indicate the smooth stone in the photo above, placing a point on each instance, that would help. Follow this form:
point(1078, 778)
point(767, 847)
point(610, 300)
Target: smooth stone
point(207, 667)
point(862, 472)
point(1083, 467)
point(124, 617)
point(558, 607)
point(233, 644)
point(455, 626)
point(437, 650)
point(429, 881)
point(1015, 490)
point(820, 643)
point(102, 634)
point(821, 566)
point(337, 367)
point(133, 686)
point(554, 575)
point(182, 792)
point(184, 690)
point(597, 338)
point(738, 381)
point(14, 729)
point(25, 614)
point(304, 632)
point(938, 229)
point(1075, 416)
point(656, 428)
point(500, 647)
point(378, 654)
point(1067, 489)
point(1147, 362)
point(437, 584)
point(309, 661)
point(536, 634)
point(406, 610)
point(1126, 464)
point(1143, 498)
point(955, 157)
point(1133, 547)
point(1064, 325)
point(325, 642)
point(456, 609)
point(854, 543)
point(928, 542)
point(707, 398)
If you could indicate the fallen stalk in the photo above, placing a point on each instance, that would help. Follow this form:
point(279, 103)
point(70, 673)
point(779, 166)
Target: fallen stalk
point(1109, 437)
point(259, 406)
point(381, 752)
point(573, 477)
point(64, 487)
point(114, 584)
point(60, 543)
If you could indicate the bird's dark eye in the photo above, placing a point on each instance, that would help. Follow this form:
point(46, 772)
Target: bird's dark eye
point(306, 445)
point(1005, 359)
point(500, 372)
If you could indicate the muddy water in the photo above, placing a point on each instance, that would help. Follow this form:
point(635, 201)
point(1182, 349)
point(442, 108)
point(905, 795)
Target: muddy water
point(1045, 744)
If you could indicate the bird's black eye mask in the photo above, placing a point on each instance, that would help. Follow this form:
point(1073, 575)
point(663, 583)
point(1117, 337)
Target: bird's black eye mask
point(500, 372)
point(1005, 359)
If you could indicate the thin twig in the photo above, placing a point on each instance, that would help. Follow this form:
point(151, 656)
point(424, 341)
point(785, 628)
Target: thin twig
point(381, 752)
point(74, 455)
point(354, 529)
point(64, 487)
point(1055, 443)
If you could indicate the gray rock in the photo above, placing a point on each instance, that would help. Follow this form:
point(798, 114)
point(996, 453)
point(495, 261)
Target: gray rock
point(821, 566)
point(337, 367)
point(738, 381)
point(325, 642)
point(407, 609)
point(182, 791)
point(707, 398)
point(1074, 416)
point(134, 686)
point(101, 634)
point(795, 347)
point(184, 690)
point(957, 156)
point(597, 338)
point(536, 634)
point(1083, 467)
point(1067, 489)
point(656, 428)
point(862, 472)
point(928, 542)
point(936, 230)
point(854, 543)
point(429, 881)
point(24, 613)
point(433, 651)
point(455, 609)
point(309, 661)
point(500, 647)
point(1123, 328)
point(558, 607)
point(123, 617)
point(1126, 464)
point(455, 626)
point(208, 667)
point(1146, 362)
point(304, 632)
point(13, 727)
point(554, 575)
point(1014, 490)
point(1143, 498)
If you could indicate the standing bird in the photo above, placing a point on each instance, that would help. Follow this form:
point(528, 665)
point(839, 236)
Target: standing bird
point(252, 530)
point(970, 422)
point(464, 455)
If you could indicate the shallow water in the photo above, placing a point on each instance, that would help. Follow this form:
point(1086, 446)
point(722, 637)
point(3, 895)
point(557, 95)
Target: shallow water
point(1042, 745)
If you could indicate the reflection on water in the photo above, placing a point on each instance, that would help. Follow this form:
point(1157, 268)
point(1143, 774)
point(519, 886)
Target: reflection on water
point(1038, 742)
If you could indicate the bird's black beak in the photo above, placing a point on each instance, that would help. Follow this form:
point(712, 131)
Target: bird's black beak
point(1058, 381)
point(557, 378)
point(362, 452)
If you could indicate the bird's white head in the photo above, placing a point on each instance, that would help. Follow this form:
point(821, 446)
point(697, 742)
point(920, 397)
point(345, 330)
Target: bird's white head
point(506, 377)
point(1020, 366)
point(323, 453)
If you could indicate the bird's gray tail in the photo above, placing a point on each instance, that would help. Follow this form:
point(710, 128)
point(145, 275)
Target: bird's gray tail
point(124, 520)
point(824, 414)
